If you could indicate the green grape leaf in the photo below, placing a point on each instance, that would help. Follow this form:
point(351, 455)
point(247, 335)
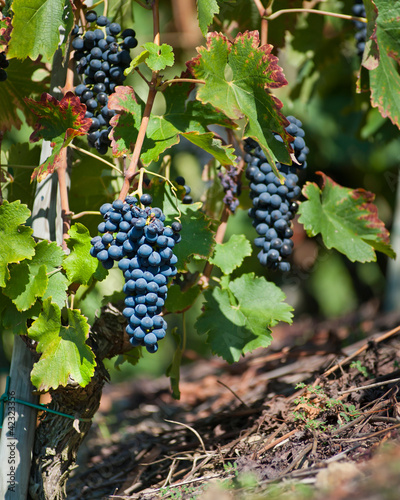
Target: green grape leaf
point(37, 278)
point(36, 28)
point(19, 84)
point(24, 286)
point(197, 239)
point(178, 301)
point(15, 320)
point(189, 119)
point(238, 317)
point(206, 10)
point(160, 56)
point(228, 256)
point(16, 242)
point(59, 122)
point(80, 266)
point(65, 355)
point(384, 78)
point(136, 61)
point(346, 219)
point(173, 370)
point(52, 256)
point(237, 75)
point(132, 357)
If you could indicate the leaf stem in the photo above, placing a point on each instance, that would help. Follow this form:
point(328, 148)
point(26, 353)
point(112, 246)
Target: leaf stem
point(146, 113)
point(142, 75)
point(95, 156)
point(82, 214)
point(315, 11)
point(164, 85)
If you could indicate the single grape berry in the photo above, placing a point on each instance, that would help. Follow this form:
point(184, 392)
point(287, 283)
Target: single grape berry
point(146, 199)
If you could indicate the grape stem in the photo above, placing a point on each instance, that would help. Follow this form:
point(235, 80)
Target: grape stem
point(315, 11)
point(129, 174)
point(219, 238)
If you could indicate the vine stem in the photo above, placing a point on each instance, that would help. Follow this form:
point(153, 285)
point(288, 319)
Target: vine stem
point(65, 213)
point(264, 12)
point(129, 174)
point(315, 11)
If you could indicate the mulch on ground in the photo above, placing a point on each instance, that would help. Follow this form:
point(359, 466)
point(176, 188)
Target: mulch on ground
point(305, 410)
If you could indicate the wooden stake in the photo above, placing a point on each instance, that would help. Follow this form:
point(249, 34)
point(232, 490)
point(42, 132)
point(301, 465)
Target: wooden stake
point(19, 426)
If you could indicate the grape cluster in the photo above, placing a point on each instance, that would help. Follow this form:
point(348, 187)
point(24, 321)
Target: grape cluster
point(137, 238)
point(102, 55)
point(358, 10)
point(274, 204)
point(231, 185)
point(187, 199)
point(3, 66)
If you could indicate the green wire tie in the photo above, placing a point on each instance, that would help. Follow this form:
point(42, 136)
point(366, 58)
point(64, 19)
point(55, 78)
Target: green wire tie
point(5, 398)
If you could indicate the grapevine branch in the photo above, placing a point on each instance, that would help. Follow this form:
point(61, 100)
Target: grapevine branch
point(147, 111)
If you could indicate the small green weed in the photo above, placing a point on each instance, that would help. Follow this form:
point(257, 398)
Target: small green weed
point(314, 402)
point(362, 369)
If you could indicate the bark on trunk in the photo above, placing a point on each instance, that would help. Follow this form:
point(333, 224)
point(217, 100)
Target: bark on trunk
point(59, 438)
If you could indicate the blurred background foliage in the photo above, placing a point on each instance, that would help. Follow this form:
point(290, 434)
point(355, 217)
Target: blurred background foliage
point(348, 140)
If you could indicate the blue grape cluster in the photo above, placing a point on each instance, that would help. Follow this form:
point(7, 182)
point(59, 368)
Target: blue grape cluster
point(3, 66)
point(102, 55)
point(231, 185)
point(137, 238)
point(358, 10)
point(274, 204)
point(187, 199)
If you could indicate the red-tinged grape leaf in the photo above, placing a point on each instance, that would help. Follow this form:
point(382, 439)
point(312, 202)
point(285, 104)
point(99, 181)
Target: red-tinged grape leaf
point(346, 219)
point(36, 26)
point(16, 242)
point(65, 356)
point(19, 84)
point(5, 30)
point(59, 122)
point(189, 119)
point(174, 369)
point(79, 265)
point(384, 78)
point(238, 317)
point(197, 229)
point(253, 71)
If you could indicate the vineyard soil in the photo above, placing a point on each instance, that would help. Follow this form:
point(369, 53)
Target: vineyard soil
point(290, 421)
